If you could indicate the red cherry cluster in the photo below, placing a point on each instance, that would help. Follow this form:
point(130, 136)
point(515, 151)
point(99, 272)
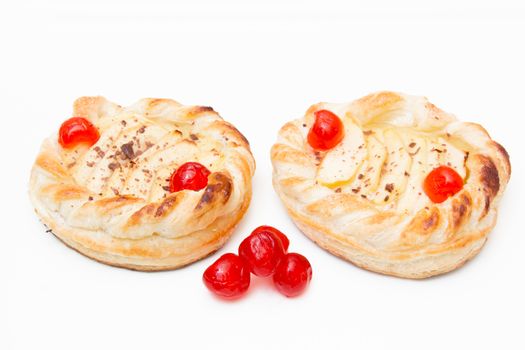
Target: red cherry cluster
point(264, 253)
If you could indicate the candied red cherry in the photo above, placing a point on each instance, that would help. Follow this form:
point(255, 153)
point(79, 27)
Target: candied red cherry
point(77, 130)
point(327, 131)
point(282, 236)
point(262, 251)
point(228, 277)
point(441, 183)
point(293, 274)
point(189, 176)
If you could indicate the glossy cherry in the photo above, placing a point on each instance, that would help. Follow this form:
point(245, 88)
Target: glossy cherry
point(228, 277)
point(292, 275)
point(189, 176)
point(441, 183)
point(284, 240)
point(327, 131)
point(263, 251)
point(77, 130)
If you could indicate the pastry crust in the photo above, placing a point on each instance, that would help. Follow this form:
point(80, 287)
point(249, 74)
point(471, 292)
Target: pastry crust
point(111, 201)
point(363, 200)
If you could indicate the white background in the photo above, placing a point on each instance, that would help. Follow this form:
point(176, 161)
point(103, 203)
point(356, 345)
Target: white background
point(259, 65)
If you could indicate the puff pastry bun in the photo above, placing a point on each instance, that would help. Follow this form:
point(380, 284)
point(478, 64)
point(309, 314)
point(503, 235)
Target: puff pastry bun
point(363, 199)
point(111, 202)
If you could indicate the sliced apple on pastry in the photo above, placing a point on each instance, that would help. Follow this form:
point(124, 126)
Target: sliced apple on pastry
point(393, 179)
point(340, 164)
point(412, 198)
point(369, 174)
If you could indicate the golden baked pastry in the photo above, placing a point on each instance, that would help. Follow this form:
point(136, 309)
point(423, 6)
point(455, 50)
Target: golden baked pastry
point(111, 201)
point(363, 200)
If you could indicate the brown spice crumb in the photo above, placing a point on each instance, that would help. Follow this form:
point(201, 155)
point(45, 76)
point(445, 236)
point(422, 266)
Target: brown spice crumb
point(386, 198)
point(338, 190)
point(90, 198)
point(90, 164)
point(363, 196)
point(356, 190)
point(360, 176)
point(113, 166)
point(166, 188)
point(412, 144)
point(194, 137)
point(100, 152)
point(465, 158)
point(406, 173)
point(123, 122)
point(416, 152)
point(127, 149)
point(115, 191)
point(141, 129)
point(389, 187)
